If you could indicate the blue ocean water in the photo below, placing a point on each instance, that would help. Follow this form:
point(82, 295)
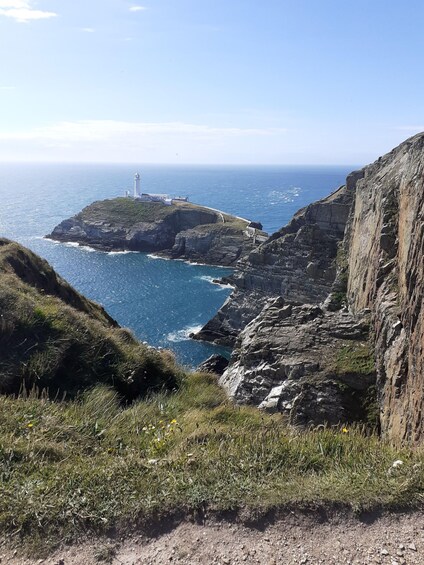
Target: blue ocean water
point(161, 301)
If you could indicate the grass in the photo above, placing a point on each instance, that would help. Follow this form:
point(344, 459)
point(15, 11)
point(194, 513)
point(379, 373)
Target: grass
point(355, 358)
point(125, 211)
point(51, 337)
point(93, 465)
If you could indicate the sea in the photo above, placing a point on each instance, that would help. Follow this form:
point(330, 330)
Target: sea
point(161, 301)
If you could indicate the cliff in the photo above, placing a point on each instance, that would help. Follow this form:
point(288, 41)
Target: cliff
point(296, 263)
point(53, 338)
point(183, 230)
point(385, 261)
point(302, 359)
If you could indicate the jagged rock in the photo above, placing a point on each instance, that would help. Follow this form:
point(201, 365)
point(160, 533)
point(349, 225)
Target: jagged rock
point(183, 230)
point(214, 364)
point(385, 256)
point(297, 263)
point(311, 364)
point(308, 361)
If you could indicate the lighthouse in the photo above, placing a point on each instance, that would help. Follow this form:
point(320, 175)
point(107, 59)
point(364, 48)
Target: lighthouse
point(137, 185)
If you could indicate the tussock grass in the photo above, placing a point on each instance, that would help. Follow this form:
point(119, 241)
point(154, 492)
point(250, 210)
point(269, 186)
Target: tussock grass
point(53, 338)
point(91, 464)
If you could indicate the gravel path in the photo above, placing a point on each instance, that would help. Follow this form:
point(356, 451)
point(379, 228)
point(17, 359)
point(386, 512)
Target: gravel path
point(394, 539)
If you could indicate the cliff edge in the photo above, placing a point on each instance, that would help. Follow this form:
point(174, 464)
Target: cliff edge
point(385, 263)
point(298, 263)
point(182, 230)
point(366, 338)
point(53, 338)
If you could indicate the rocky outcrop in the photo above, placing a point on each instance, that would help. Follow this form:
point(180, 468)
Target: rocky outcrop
point(316, 362)
point(183, 230)
point(296, 263)
point(385, 259)
point(310, 364)
point(214, 364)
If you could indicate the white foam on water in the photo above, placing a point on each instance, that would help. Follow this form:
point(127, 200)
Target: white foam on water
point(184, 334)
point(289, 195)
point(120, 252)
point(206, 278)
point(153, 256)
point(49, 240)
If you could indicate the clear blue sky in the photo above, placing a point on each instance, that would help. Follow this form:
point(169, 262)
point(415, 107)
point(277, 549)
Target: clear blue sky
point(209, 81)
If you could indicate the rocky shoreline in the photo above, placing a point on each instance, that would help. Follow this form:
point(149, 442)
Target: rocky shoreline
point(304, 299)
point(181, 231)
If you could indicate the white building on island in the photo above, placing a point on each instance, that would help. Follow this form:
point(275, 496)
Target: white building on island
point(148, 197)
point(137, 180)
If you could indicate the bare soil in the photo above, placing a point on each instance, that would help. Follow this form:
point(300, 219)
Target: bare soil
point(293, 538)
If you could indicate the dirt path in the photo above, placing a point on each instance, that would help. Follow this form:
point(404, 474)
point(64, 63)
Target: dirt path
point(293, 539)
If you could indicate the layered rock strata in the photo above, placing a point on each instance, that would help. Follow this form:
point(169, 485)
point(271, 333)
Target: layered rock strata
point(301, 360)
point(311, 364)
point(296, 263)
point(385, 260)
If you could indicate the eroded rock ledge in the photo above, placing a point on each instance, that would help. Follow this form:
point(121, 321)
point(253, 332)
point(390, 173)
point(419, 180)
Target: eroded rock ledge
point(296, 263)
point(316, 362)
point(313, 365)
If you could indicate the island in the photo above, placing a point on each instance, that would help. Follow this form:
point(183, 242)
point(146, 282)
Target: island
point(173, 228)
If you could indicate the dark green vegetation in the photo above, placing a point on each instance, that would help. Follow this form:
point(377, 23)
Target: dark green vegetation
point(92, 465)
point(127, 212)
point(52, 337)
point(355, 358)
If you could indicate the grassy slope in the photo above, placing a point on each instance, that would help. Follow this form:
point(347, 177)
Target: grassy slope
point(52, 337)
point(127, 212)
point(90, 464)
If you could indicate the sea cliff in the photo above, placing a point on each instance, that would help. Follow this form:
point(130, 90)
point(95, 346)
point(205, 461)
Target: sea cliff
point(298, 263)
point(359, 349)
point(180, 231)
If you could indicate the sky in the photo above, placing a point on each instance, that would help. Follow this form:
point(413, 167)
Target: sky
point(209, 81)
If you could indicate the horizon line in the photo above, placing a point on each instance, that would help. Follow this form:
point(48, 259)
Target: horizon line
point(171, 164)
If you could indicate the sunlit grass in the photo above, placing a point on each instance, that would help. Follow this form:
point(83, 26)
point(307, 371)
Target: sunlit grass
point(90, 464)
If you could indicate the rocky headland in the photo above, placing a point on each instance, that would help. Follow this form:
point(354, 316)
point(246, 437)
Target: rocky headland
point(333, 304)
point(180, 231)
point(296, 263)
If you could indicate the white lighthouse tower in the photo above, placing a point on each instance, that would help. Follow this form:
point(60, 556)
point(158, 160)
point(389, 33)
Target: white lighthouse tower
point(137, 185)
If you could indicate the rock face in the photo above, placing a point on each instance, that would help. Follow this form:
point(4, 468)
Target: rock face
point(182, 230)
point(296, 263)
point(214, 364)
point(385, 243)
point(313, 365)
point(316, 362)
